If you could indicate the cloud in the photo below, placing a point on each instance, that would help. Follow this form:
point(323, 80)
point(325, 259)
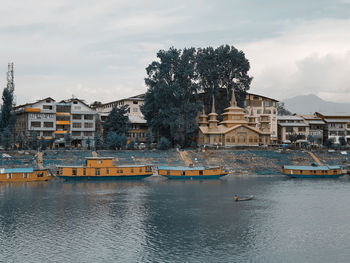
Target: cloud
point(313, 57)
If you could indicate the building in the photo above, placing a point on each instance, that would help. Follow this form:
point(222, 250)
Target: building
point(51, 120)
point(316, 128)
point(336, 126)
point(138, 125)
point(265, 110)
point(289, 126)
point(236, 128)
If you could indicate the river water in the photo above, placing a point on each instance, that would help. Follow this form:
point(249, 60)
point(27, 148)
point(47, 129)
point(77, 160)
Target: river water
point(158, 220)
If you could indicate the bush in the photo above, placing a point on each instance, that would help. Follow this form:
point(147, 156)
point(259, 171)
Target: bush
point(163, 144)
point(115, 141)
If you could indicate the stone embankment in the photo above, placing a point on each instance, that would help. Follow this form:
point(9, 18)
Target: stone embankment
point(241, 162)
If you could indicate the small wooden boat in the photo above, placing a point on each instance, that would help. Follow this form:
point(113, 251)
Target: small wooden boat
point(191, 173)
point(24, 175)
point(102, 168)
point(247, 198)
point(313, 171)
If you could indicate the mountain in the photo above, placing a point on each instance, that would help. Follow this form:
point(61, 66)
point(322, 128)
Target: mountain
point(308, 104)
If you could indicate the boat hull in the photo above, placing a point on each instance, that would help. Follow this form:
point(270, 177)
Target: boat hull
point(314, 176)
point(194, 177)
point(103, 178)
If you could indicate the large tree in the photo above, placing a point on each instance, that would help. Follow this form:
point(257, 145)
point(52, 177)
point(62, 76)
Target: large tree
point(170, 106)
point(7, 117)
point(117, 121)
point(220, 68)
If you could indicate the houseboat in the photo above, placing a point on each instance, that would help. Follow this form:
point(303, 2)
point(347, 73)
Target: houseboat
point(24, 175)
point(102, 168)
point(200, 172)
point(322, 171)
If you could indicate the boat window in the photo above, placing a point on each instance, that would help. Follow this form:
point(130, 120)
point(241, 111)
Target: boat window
point(99, 162)
point(335, 171)
point(25, 175)
point(301, 171)
point(314, 171)
point(97, 171)
point(200, 172)
point(40, 174)
point(168, 172)
point(148, 169)
point(183, 173)
point(140, 170)
point(58, 172)
point(74, 171)
point(107, 171)
point(132, 170)
point(9, 176)
point(84, 171)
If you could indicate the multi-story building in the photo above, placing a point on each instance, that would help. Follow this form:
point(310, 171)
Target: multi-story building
point(292, 126)
point(236, 128)
point(336, 125)
point(138, 125)
point(49, 119)
point(316, 128)
point(265, 110)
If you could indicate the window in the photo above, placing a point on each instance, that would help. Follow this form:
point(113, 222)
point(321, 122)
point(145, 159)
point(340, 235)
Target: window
point(47, 107)
point(168, 172)
point(88, 133)
point(135, 102)
point(35, 124)
point(301, 129)
point(140, 170)
point(76, 133)
point(84, 171)
point(47, 133)
point(88, 117)
point(200, 172)
point(47, 101)
point(132, 170)
point(76, 124)
point(9, 176)
point(77, 107)
point(40, 174)
point(107, 171)
point(74, 171)
point(88, 125)
point(135, 110)
point(76, 116)
point(48, 124)
point(25, 175)
point(97, 171)
point(183, 173)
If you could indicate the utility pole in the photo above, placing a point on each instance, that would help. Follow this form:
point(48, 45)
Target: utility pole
point(10, 78)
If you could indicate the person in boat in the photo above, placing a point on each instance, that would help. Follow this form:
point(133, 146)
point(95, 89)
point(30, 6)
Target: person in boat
point(235, 198)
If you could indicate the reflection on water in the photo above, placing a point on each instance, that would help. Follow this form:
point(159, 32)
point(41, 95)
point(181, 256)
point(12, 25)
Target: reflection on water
point(160, 220)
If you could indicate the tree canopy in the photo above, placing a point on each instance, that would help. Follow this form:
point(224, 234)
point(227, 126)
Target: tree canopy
point(170, 106)
point(117, 121)
point(175, 79)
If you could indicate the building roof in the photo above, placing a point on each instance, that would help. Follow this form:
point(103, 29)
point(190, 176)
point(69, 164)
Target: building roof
point(139, 97)
point(253, 94)
point(336, 120)
point(222, 129)
point(315, 121)
point(185, 168)
point(31, 103)
point(311, 168)
point(16, 170)
point(289, 118)
point(334, 114)
point(293, 124)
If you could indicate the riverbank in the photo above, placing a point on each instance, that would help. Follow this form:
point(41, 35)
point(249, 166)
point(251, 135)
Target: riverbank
point(264, 161)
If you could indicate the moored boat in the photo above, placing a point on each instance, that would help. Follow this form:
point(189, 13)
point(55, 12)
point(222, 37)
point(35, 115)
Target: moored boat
point(102, 168)
point(199, 172)
point(322, 171)
point(24, 175)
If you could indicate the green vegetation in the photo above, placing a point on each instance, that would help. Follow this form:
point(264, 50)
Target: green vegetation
point(7, 119)
point(174, 81)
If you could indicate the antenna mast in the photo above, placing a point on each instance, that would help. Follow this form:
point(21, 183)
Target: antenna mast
point(10, 78)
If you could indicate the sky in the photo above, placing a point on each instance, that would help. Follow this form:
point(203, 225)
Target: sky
point(98, 50)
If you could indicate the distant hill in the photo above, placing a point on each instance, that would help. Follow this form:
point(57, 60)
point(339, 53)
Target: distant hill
point(308, 104)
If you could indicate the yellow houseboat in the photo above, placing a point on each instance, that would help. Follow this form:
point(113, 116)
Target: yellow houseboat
point(24, 175)
point(324, 171)
point(199, 172)
point(102, 168)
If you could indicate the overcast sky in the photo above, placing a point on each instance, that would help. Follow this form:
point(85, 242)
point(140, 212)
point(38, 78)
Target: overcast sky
point(98, 50)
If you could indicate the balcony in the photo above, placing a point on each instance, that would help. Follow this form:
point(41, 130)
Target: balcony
point(32, 110)
point(62, 122)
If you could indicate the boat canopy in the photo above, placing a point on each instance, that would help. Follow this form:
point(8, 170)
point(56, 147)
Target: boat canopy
point(15, 170)
point(312, 168)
